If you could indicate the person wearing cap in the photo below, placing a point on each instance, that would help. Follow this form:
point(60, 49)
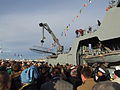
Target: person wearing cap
point(117, 68)
point(74, 79)
point(101, 75)
point(116, 76)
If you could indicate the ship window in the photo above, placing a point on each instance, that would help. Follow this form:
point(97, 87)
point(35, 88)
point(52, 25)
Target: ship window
point(118, 5)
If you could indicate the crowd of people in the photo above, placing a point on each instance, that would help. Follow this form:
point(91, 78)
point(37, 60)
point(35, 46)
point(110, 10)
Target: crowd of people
point(31, 75)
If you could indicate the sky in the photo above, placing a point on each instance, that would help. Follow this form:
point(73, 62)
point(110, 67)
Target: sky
point(19, 20)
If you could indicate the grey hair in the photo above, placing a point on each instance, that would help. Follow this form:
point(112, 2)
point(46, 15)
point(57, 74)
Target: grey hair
point(106, 85)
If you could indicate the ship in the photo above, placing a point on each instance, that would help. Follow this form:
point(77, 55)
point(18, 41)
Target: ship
point(96, 46)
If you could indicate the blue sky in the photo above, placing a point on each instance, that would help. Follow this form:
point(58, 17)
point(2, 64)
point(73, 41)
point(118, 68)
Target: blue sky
point(19, 20)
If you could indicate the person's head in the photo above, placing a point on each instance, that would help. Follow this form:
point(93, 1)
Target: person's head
point(79, 70)
point(4, 81)
point(3, 63)
point(16, 67)
point(106, 85)
point(73, 73)
point(24, 67)
point(56, 71)
point(86, 73)
point(100, 72)
point(116, 74)
point(8, 64)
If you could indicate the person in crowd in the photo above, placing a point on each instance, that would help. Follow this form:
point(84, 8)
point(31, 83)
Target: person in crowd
point(101, 74)
point(16, 70)
point(74, 79)
point(3, 66)
point(45, 73)
point(106, 85)
point(88, 82)
point(67, 70)
point(15, 76)
point(89, 29)
point(34, 75)
point(116, 76)
point(79, 69)
point(79, 32)
point(5, 82)
point(9, 68)
point(30, 79)
point(57, 83)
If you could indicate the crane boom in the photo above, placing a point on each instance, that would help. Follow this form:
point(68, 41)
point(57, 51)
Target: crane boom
point(46, 26)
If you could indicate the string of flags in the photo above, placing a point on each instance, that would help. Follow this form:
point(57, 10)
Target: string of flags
point(109, 7)
point(64, 33)
point(86, 4)
point(73, 20)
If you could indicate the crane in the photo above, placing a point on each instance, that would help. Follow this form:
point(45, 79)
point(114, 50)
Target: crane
point(46, 27)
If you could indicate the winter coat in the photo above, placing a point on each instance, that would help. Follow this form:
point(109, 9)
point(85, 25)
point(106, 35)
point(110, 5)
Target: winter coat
point(88, 84)
point(57, 84)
